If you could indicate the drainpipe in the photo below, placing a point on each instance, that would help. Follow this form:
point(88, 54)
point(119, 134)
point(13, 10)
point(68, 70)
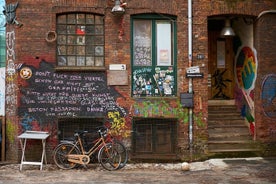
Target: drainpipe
point(190, 55)
point(265, 12)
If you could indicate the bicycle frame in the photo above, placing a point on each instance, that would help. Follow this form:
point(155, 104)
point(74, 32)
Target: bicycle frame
point(84, 157)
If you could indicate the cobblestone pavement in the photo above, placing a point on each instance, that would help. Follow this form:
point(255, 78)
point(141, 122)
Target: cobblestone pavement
point(255, 170)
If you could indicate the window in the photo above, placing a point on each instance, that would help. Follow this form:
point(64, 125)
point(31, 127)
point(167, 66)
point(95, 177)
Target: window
point(154, 136)
point(153, 56)
point(67, 127)
point(80, 40)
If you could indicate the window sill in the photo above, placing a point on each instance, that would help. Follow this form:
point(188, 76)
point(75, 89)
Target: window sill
point(80, 68)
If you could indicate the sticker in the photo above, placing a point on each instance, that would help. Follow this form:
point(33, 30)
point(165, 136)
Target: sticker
point(26, 73)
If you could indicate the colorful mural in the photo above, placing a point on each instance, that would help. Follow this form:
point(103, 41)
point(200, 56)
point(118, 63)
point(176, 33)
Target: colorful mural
point(246, 68)
point(46, 95)
point(268, 95)
point(246, 74)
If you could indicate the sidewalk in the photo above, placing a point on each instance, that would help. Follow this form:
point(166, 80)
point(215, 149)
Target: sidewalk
point(214, 171)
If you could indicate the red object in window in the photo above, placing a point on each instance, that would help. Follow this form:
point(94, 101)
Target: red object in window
point(80, 32)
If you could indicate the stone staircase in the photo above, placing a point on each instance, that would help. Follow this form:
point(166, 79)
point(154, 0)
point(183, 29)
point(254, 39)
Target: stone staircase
point(228, 133)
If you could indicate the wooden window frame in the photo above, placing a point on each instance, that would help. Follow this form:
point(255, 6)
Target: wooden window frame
point(150, 77)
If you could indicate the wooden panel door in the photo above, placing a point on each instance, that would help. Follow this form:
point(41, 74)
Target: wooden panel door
point(221, 67)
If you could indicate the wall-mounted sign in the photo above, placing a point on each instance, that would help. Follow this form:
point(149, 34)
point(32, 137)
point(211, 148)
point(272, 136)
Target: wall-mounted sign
point(193, 69)
point(194, 75)
point(117, 67)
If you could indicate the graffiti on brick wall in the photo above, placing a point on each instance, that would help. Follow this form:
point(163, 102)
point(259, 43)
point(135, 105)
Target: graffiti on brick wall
point(66, 94)
point(160, 108)
point(268, 95)
point(246, 73)
point(11, 130)
point(119, 125)
point(11, 97)
point(246, 68)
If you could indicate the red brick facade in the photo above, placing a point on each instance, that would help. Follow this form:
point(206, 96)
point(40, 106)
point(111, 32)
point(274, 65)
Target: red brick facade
point(31, 48)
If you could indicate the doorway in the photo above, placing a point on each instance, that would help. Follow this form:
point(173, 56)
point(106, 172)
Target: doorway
point(220, 63)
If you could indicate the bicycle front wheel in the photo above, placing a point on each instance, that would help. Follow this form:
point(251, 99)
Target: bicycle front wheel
point(60, 155)
point(109, 157)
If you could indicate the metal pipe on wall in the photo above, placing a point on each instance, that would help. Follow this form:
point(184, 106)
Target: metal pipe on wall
point(190, 57)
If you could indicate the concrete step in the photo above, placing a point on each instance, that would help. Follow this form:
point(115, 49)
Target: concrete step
point(228, 122)
point(228, 132)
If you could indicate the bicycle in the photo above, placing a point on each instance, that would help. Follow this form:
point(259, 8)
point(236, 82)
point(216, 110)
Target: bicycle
point(120, 147)
point(70, 154)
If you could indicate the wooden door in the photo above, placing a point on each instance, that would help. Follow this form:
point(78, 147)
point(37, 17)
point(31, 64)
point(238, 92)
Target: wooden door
point(221, 67)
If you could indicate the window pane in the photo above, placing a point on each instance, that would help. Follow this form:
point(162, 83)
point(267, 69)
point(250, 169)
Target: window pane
point(99, 51)
point(62, 61)
point(89, 61)
point(99, 61)
point(71, 40)
point(81, 50)
point(99, 39)
point(98, 19)
point(71, 29)
point(164, 50)
point(71, 19)
point(81, 40)
point(142, 39)
point(71, 61)
point(89, 40)
point(90, 29)
point(62, 19)
point(80, 61)
point(99, 29)
point(61, 29)
point(80, 18)
point(89, 50)
point(71, 50)
point(61, 50)
point(89, 19)
point(62, 39)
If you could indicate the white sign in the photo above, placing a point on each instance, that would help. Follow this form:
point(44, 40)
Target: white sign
point(117, 67)
point(193, 69)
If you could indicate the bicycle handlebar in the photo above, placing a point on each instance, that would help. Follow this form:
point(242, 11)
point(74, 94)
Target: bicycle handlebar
point(102, 130)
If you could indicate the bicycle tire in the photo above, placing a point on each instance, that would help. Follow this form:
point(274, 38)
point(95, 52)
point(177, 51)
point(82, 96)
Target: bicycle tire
point(120, 147)
point(109, 157)
point(60, 155)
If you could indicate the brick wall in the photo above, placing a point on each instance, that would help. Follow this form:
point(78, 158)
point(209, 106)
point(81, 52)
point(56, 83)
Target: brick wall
point(266, 81)
point(39, 18)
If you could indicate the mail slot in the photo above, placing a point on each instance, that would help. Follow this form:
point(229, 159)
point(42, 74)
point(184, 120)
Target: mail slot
point(187, 99)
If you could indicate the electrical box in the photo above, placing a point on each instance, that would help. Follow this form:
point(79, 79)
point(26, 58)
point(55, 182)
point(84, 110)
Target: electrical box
point(187, 99)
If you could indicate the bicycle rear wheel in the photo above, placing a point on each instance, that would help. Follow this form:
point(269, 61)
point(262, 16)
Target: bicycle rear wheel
point(120, 147)
point(109, 157)
point(60, 155)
